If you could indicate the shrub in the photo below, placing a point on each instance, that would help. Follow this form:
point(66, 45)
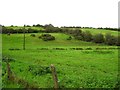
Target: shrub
point(110, 39)
point(87, 36)
point(69, 38)
point(76, 32)
point(118, 41)
point(78, 37)
point(39, 70)
point(33, 35)
point(39, 37)
point(47, 37)
point(7, 59)
point(8, 34)
point(98, 38)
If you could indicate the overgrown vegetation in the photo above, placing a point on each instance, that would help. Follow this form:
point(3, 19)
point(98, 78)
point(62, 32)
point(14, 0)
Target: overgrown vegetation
point(33, 35)
point(98, 38)
point(46, 37)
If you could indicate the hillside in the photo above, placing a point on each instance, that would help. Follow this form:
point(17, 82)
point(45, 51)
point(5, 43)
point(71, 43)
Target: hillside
point(79, 64)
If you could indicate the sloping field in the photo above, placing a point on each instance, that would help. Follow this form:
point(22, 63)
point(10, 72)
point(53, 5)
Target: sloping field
point(78, 64)
point(103, 31)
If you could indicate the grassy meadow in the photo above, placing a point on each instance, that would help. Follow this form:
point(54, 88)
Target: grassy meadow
point(103, 31)
point(93, 66)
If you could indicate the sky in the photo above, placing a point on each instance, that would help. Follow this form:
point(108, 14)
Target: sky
point(85, 13)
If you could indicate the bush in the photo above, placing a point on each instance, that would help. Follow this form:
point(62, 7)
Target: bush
point(78, 37)
point(47, 37)
point(39, 70)
point(7, 59)
point(33, 35)
point(8, 34)
point(39, 37)
point(69, 38)
point(87, 36)
point(118, 41)
point(110, 40)
point(76, 32)
point(98, 38)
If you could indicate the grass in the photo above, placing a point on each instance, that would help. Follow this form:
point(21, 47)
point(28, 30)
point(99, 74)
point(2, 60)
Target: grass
point(16, 41)
point(96, 31)
point(103, 31)
point(75, 68)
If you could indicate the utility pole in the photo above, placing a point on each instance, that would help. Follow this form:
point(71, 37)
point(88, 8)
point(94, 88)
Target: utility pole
point(24, 38)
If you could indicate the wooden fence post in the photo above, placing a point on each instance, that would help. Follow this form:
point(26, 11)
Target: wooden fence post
point(54, 74)
point(8, 71)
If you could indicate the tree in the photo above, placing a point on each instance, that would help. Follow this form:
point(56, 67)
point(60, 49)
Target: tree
point(49, 28)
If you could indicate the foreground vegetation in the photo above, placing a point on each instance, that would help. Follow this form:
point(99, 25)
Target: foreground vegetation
point(79, 64)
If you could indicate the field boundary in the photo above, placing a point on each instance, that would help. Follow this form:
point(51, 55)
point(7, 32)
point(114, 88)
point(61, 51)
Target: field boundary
point(15, 79)
point(80, 48)
point(27, 85)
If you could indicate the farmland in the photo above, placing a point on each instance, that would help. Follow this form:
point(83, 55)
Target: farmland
point(79, 64)
point(103, 31)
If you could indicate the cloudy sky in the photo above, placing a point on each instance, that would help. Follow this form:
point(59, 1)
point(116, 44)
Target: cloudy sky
point(91, 13)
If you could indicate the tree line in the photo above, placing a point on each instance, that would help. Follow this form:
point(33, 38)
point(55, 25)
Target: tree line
point(48, 28)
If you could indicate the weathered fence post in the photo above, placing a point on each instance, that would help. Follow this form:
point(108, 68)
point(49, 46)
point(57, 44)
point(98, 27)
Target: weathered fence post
point(8, 71)
point(54, 74)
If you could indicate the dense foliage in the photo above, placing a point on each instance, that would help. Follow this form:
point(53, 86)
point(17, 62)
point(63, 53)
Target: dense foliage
point(98, 38)
point(47, 37)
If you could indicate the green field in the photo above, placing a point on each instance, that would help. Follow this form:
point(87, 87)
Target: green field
point(85, 68)
point(103, 31)
point(94, 31)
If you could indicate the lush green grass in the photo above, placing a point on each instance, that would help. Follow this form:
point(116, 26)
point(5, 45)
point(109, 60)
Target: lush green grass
point(103, 31)
point(75, 68)
point(16, 41)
